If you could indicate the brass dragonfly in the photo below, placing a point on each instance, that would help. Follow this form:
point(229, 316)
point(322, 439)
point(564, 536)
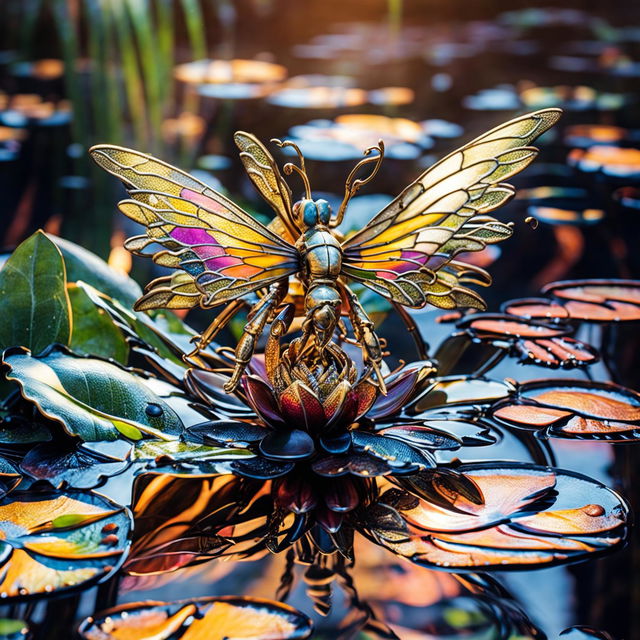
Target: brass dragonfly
point(406, 253)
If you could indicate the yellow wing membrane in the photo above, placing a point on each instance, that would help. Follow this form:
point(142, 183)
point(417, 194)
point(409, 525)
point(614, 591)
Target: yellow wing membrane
point(221, 251)
point(405, 253)
point(263, 171)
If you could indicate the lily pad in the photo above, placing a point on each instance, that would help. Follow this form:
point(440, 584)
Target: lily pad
point(458, 390)
point(530, 515)
point(91, 398)
point(573, 409)
point(36, 307)
point(590, 300)
point(214, 618)
point(545, 344)
point(53, 541)
point(75, 466)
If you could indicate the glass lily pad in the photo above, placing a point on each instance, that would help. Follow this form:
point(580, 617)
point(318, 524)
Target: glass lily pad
point(597, 300)
point(534, 308)
point(616, 162)
point(187, 458)
point(218, 618)
point(318, 97)
point(53, 541)
point(400, 455)
point(75, 466)
point(575, 216)
point(573, 409)
point(469, 616)
point(540, 343)
point(530, 515)
point(587, 135)
point(457, 390)
point(91, 398)
point(203, 72)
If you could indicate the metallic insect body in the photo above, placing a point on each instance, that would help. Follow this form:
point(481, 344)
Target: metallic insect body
point(406, 253)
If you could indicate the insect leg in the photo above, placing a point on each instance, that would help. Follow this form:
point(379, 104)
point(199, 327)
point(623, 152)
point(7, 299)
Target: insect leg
point(365, 335)
point(208, 335)
point(258, 317)
point(412, 327)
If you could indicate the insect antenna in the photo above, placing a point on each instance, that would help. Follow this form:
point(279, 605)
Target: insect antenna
point(353, 184)
point(289, 168)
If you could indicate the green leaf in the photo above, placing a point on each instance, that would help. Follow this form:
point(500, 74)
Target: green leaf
point(94, 332)
point(127, 430)
point(91, 398)
point(33, 297)
point(72, 520)
point(185, 451)
point(10, 627)
point(88, 267)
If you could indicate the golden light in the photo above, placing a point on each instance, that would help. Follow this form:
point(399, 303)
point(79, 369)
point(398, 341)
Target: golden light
point(596, 133)
point(230, 71)
point(9, 134)
point(612, 160)
point(119, 258)
point(392, 96)
point(47, 69)
point(401, 128)
point(187, 126)
point(319, 97)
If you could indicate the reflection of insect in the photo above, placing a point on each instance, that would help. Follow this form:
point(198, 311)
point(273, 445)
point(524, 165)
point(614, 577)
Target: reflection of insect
point(405, 253)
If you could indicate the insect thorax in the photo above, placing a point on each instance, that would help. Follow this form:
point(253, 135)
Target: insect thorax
point(322, 255)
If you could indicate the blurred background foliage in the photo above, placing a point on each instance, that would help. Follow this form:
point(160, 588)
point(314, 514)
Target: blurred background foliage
point(175, 78)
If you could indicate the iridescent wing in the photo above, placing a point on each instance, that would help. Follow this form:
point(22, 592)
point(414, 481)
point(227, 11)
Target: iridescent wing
point(406, 252)
point(222, 252)
point(263, 171)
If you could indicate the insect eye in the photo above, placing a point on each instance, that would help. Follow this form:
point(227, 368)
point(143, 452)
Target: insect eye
point(324, 211)
point(309, 213)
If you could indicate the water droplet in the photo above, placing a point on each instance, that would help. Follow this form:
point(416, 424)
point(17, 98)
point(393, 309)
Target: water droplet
point(593, 510)
point(154, 410)
point(532, 222)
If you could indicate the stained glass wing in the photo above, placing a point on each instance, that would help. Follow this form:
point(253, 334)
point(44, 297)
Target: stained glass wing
point(263, 171)
point(221, 251)
point(405, 252)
